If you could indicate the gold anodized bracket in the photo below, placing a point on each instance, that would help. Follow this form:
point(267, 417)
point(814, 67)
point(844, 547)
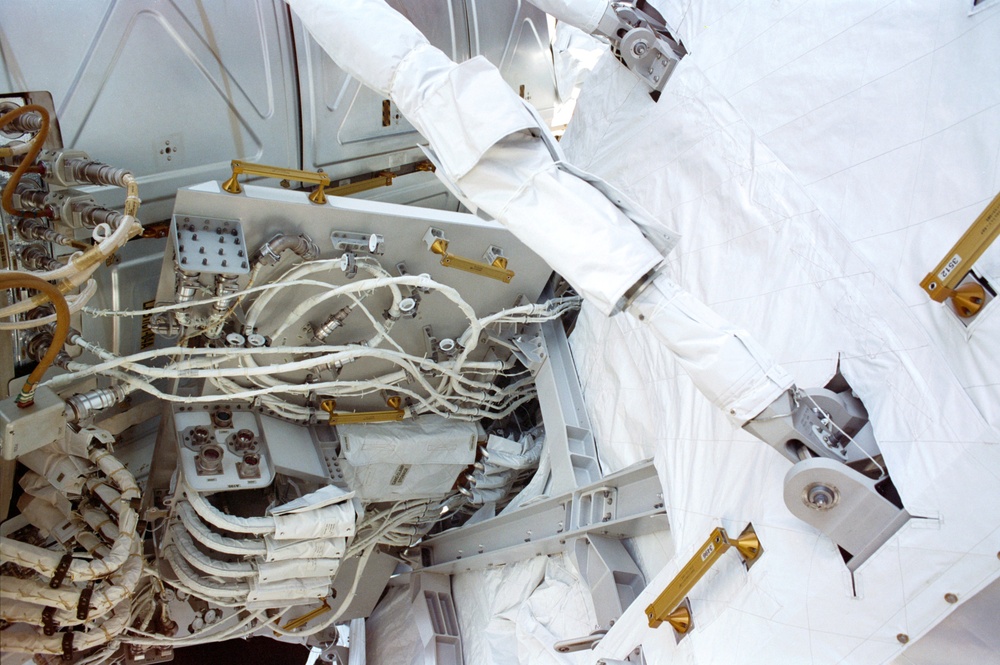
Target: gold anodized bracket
point(495, 269)
point(672, 605)
point(383, 179)
point(395, 412)
point(943, 282)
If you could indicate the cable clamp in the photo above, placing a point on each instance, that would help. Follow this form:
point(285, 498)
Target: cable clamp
point(67, 646)
point(83, 606)
point(49, 625)
point(61, 570)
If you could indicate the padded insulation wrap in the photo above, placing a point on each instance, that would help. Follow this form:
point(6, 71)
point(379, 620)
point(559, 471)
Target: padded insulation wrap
point(411, 459)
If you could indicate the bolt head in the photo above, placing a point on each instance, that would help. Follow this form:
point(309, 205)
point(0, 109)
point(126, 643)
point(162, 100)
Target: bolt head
point(819, 496)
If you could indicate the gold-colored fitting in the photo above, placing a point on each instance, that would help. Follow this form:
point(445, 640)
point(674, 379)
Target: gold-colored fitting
point(968, 299)
point(395, 412)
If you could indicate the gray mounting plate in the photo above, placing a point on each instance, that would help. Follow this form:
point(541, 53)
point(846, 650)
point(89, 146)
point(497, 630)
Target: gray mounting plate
point(208, 245)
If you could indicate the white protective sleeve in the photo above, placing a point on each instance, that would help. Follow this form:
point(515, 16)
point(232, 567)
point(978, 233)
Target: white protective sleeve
point(726, 363)
point(474, 122)
point(583, 14)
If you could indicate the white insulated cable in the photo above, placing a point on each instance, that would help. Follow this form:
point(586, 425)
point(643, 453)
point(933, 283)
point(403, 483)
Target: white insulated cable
point(75, 303)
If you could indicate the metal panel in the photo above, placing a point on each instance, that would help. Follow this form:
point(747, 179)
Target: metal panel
point(264, 211)
point(342, 121)
point(514, 35)
point(171, 90)
point(343, 130)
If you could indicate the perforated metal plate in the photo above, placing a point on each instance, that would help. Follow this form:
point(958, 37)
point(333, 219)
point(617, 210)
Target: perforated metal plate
point(214, 246)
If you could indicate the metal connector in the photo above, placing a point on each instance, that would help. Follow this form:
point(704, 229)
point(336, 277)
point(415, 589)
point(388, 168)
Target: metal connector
point(641, 41)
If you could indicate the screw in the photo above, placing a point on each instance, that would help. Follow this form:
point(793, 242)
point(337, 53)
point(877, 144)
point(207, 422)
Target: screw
point(903, 638)
point(951, 598)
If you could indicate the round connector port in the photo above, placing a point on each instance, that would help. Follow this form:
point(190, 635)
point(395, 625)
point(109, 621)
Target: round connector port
point(209, 461)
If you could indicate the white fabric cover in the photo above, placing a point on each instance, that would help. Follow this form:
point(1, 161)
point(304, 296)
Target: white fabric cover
point(726, 364)
point(819, 160)
point(410, 459)
point(584, 14)
point(301, 569)
point(515, 614)
point(328, 548)
point(334, 521)
point(472, 120)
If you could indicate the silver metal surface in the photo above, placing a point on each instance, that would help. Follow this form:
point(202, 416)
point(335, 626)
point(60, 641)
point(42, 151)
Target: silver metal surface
point(860, 521)
point(569, 438)
point(32, 427)
point(624, 504)
point(170, 90)
point(610, 574)
point(264, 211)
point(214, 246)
point(514, 36)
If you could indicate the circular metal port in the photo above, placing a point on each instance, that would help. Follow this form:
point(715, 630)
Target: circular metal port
point(210, 459)
point(243, 439)
point(200, 435)
point(222, 418)
point(821, 497)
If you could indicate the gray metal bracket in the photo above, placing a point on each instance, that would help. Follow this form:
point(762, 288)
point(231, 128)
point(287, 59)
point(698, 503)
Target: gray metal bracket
point(624, 504)
point(569, 437)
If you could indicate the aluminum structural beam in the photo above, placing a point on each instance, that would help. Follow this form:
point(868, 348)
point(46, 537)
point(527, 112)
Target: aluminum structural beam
point(624, 504)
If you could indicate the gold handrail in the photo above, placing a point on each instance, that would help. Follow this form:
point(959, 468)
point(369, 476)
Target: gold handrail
point(497, 270)
point(395, 412)
point(943, 281)
point(318, 195)
point(671, 605)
